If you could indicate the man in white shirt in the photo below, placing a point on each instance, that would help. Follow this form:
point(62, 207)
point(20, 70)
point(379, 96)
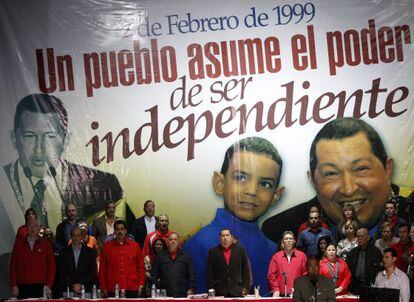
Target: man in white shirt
point(393, 277)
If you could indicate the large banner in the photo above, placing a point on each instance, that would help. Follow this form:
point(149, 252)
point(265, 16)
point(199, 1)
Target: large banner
point(153, 93)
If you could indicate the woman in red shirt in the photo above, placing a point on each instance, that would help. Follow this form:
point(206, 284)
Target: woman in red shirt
point(331, 266)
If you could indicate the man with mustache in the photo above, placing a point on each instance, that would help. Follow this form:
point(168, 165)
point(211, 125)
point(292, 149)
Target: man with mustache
point(348, 165)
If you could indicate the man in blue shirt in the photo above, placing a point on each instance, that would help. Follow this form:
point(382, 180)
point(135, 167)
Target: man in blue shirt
point(308, 239)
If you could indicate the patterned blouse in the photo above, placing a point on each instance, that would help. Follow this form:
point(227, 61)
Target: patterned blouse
point(344, 246)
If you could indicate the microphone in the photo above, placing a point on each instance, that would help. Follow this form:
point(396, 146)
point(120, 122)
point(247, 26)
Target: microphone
point(28, 173)
point(52, 171)
point(285, 278)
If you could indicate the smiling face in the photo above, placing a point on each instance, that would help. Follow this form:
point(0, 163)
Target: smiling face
point(347, 172)
point(39, 142)
point(249, 186)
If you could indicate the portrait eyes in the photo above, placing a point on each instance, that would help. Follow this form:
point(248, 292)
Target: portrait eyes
point(242, 177)
point(28, 135)
point(239, 176)
point(330, 174)
point(362, 170)
point(266, 184)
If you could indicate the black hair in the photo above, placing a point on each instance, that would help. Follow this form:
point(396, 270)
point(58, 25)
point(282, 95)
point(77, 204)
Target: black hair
point(145, 203)
point(42, 103)
point(28, 211)
point(342, 128)
point(328, 242)
point(390, 250)
point(256, 145)
point(225, 229)
point(118, 222)
point(164, 244)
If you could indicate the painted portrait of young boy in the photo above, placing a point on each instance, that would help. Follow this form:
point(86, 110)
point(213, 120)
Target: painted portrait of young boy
point(249, 184)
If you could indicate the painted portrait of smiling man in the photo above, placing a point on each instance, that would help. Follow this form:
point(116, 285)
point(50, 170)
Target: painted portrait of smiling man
point(349, 165)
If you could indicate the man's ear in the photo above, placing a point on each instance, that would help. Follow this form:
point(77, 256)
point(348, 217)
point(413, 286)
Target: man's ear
point(13, 138)
point(276, 196)
point(218, 183)
point(389, 167)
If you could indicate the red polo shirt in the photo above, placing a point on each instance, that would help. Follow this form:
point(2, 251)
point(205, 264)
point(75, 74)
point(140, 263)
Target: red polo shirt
point(121, 264)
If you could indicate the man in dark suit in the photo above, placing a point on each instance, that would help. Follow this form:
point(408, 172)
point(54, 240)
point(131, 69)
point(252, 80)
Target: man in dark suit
point(145, 224)
point(77, 265)
point(228, 268)
point(104, 226)
point(364, 262)
point(40, 178)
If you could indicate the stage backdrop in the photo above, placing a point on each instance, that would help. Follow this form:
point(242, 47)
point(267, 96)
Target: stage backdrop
point(156, 91)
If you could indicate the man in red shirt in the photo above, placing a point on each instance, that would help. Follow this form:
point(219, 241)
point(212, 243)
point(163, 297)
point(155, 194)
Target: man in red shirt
point(32, 264)
point(285, 266)
point(402, 247)
point(122, 264)
point(161, 231)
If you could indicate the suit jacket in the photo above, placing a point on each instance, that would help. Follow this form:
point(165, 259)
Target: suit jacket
point(99, 229)
point(324, 291)
point(228, 280)
point(88, 188)
point(139, 230)
point(84, 273)
point(176, 276)
point(373, 257)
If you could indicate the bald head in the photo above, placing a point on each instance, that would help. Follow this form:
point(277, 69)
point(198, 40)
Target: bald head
point(363, 237)
point(163, 223)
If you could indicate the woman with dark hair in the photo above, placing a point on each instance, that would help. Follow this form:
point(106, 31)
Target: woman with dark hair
point(347, 244)
point(348, 215)
point(323, 242)
point(158, 245)
point(335, 268)
point(22, 230)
